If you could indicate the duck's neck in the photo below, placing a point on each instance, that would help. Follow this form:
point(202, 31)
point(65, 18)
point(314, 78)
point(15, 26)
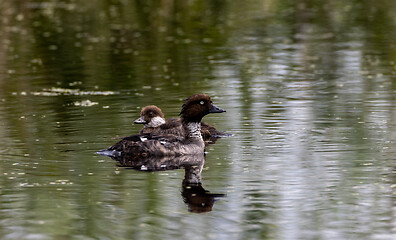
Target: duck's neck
point(193, 130)
point(155, 122)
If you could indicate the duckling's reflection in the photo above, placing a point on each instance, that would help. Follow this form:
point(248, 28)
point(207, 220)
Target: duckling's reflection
point(194, 195)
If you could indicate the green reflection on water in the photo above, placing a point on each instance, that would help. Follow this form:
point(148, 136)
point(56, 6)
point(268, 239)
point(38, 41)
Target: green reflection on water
point(309, 88)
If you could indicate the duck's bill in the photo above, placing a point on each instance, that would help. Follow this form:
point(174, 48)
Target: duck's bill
point(215, 109)
point(140, 120)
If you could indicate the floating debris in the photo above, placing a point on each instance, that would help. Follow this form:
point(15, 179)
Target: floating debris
point(29, 184)
point(75, 83)
point(61, 182)
point(56, 91)
point(46, 94)
point(85, 103)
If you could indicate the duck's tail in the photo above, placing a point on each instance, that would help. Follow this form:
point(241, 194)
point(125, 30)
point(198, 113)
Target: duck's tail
point(109, 153)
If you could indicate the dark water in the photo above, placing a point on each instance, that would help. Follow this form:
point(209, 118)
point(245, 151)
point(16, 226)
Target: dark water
point(310, 93)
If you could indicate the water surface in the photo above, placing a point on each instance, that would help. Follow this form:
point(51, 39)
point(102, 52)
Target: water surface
point(309, 88)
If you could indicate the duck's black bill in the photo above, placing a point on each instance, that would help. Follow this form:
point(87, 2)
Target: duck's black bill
point(215, 109)
point(140, 120)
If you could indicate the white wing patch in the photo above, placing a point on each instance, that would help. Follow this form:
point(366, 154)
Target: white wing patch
point(143, 139)
point(143, 168)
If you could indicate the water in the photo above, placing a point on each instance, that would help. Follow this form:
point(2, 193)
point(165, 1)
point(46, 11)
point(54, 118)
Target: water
point(309, 89)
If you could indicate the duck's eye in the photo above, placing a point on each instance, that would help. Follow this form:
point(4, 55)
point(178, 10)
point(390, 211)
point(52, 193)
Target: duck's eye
point(202, 102)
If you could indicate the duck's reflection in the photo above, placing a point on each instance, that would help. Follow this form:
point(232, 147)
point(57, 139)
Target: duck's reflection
point(194, 195)
point(198, 199)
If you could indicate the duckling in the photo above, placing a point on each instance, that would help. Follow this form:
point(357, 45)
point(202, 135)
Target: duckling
point(147, 145)
point(154, 122)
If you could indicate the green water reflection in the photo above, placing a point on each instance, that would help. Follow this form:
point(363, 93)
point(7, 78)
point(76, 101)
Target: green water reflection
point(309, 88)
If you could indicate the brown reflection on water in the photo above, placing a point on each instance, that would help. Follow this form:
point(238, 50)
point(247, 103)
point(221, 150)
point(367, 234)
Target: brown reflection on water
point(194, 195)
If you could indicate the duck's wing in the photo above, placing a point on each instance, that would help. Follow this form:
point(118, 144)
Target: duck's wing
point(140, 144)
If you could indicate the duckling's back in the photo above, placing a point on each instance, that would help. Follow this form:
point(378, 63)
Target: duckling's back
point(172, 126)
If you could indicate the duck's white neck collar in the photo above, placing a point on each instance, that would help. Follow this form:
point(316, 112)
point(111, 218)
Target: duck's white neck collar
point(155, 122)
point(193, 130)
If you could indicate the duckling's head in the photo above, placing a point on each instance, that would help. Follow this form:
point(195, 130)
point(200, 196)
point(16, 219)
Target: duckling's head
point(197, 106)
point(151, 116)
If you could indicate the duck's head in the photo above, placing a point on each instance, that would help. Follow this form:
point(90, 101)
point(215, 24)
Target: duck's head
point(197, 106)
point(151, 116)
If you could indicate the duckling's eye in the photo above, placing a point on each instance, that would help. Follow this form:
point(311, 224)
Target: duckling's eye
point(202, 102)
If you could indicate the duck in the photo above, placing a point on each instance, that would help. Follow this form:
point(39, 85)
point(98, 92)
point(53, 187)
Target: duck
point(151, 145)
point(154, 121)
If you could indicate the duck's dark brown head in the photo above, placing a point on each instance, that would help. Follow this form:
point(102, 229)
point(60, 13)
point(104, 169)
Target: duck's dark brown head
point(197, 106)
point(148, 113)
